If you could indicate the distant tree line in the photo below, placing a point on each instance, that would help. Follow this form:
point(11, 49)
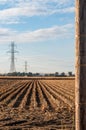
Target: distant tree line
point(63, 74)
point(56, 74)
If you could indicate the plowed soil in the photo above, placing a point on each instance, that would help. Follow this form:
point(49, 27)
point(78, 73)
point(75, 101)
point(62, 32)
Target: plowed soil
point(37, 104)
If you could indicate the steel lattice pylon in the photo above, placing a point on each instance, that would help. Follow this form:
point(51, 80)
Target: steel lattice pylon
point(12, 51)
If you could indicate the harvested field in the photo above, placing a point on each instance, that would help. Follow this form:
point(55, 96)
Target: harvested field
point(31, 103)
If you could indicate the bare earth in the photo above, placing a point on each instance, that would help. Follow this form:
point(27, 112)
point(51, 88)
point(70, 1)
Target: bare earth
point(37, 104)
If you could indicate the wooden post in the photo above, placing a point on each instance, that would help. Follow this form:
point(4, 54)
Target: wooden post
point(80, 82)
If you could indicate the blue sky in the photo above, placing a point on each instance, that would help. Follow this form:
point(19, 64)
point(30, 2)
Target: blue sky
point(43, 31)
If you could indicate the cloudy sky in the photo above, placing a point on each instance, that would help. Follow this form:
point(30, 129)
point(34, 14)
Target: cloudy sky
point(43, 31)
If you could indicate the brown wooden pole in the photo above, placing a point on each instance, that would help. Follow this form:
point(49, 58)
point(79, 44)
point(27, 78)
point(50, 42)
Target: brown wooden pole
point(80, 82)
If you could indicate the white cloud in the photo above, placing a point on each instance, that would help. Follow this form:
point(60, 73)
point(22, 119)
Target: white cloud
point(7, 35)
point(3, 31)
point(31, 8)
point(31, 11)
point(61, 2)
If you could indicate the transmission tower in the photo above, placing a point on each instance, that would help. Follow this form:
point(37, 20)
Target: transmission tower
point(12, 51)
point(25, 66)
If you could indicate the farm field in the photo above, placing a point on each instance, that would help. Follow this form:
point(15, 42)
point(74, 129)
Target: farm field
point(37, 104)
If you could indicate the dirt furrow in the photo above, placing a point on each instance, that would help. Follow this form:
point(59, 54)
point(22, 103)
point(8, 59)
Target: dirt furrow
point(13, 95)
point(6, 94)
point(43, 102)
point(21, 96)
point(28, 102)
point(33, 103)
point(61, 88)
point(26, 97)
point(61, 96)
point(49, 98)
point(7, 88)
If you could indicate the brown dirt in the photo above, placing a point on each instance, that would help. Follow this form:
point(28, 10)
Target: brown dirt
point(42, 111)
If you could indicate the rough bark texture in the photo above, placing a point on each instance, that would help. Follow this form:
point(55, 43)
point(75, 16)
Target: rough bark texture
point(80, 89)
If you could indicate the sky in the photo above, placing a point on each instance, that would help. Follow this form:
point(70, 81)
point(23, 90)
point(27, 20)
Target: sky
point(43, 33)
